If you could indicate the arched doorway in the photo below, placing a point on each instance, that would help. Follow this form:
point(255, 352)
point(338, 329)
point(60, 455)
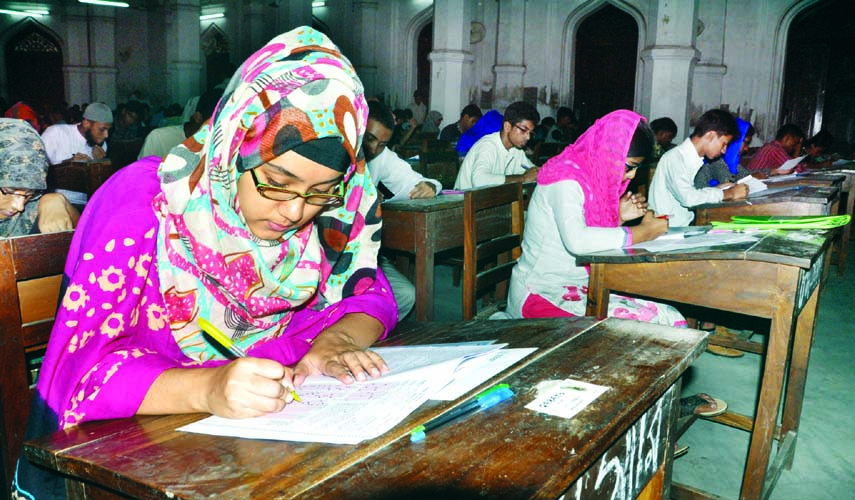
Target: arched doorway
point(423, 49)
point(215, 46)
point(819, 77)
point(606, 56)
point(34, 68)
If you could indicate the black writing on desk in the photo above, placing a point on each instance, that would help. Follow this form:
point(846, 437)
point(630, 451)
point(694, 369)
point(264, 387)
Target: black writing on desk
point(627, 466)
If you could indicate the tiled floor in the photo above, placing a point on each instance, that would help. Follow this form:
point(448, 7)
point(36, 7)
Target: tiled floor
point(824, 466)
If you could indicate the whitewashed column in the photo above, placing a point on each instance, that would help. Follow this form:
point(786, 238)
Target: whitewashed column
point(451, 59)
point(75, 67)
point(510, 41)
point(183, 50)
point(293, 13)
point(669, 63)
point(102, 50)
point(364, 41)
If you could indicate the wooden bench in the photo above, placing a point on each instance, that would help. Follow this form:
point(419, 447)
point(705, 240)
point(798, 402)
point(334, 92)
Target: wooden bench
point(31, 270)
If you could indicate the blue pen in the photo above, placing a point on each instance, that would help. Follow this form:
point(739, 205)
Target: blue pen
point(486, 399)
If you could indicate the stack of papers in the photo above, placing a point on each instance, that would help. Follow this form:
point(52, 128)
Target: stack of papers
point(680, 238)
point(332, 412)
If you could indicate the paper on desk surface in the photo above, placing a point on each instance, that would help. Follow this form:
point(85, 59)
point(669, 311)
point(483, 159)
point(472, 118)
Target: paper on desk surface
point(753, 184)
point(332, 412)
point(679, 238)
point(791, 164)
point(565, 398)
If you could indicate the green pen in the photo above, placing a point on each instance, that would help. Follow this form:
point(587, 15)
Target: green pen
point(233, 348)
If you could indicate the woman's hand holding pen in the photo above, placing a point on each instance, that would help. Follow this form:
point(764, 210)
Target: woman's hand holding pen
point(247, 387)
point(649, 228)
point(341, 351)
point(632, 206)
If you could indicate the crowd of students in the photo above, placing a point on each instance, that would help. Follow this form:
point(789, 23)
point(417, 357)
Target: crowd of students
point(264, 221)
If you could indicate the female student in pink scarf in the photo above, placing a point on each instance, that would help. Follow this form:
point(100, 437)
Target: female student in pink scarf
point(265, 223)
point(579, 206)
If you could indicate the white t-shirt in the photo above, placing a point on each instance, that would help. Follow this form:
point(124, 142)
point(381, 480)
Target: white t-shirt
point(555, 232)
point(161, 140)
point(488, 162)
point(64, 141)
point(673, 192)
point(396, 174)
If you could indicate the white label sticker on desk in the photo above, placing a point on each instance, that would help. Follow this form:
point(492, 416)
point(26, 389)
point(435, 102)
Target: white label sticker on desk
point(565, 398)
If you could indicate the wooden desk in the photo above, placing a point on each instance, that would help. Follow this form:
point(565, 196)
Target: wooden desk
point(428, 226)
point(777, 278)
point(797, 200)
point(618, 447)
point(81, 176)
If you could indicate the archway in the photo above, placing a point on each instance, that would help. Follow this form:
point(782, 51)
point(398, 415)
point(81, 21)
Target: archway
point(424, 47)
point(819, 76)
point(605, 64)
point(215, 46)
point(34, 68)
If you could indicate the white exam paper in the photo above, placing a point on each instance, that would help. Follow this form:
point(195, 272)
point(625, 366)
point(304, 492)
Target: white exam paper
point(754, 184)
point(565, 398)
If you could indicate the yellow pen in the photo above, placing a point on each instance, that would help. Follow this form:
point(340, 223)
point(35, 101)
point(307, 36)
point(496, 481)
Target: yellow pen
point(233, 348)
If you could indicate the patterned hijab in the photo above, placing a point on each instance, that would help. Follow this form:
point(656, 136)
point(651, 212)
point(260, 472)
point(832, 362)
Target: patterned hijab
point(294, 91)
point(597, 161)
point(731, 155)
point(23, 165)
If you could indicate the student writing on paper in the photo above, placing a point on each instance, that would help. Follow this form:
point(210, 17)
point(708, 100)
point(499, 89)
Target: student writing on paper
point(772, 155)
point(579, 206)
point(816, 151)
point(264, 223)
point(727, 168)
point(673, 191)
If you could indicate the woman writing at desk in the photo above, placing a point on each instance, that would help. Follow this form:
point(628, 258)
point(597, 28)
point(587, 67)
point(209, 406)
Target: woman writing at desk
point(264, 223)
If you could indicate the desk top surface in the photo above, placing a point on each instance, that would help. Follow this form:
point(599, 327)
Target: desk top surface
point(787, 247)
point(793, 193)
point(476, 456)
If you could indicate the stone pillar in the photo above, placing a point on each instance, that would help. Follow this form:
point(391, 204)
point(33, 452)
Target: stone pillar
point(510, 67)
point(450, 61)
point(669, 63)
point(183, 50)
point(75, 68)
point(293, 13)
point(364, 42)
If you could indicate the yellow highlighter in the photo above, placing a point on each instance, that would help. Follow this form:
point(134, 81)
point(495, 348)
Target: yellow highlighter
point(229, 345)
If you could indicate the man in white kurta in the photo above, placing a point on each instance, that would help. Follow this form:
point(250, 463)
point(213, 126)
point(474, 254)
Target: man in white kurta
point(499, 158)
point(83, 141)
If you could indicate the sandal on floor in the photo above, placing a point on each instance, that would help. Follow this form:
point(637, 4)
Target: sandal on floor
point(706, 326)
point(689, 404)
point(680, 450)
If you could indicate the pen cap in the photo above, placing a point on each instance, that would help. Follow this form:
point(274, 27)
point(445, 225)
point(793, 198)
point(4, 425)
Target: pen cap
point(495, 397)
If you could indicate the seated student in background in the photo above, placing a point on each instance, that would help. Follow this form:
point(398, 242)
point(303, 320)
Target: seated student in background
point(24, 208)
point(398, 176)
point(564, 129)
point(816, 148)
point(432, 122)
point(672, 191)
point(727, 168)
point(770, 157)
point(469, 116)
point(487, 124)
point(161, 140)
point(83, 141)
point(665, 129)
point(499, 158)
point(405, 127)
point(264, 223)
point(579, 206)
point(542, 129)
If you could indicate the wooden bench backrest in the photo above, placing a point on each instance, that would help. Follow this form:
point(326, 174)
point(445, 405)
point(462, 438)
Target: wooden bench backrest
point(30, 279)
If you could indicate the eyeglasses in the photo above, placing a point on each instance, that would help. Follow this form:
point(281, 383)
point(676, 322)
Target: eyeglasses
point(27, 195)
point(630, 167)
point(281, 194)
point(524, 130)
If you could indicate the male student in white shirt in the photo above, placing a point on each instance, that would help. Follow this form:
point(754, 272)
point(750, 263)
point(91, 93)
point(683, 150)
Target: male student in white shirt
point(398, 176)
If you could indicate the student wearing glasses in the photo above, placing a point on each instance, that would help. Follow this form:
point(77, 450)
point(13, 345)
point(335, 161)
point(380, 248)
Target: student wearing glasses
point(264, 223)
point(24, 208)
point(499, 158)
point(580, 206)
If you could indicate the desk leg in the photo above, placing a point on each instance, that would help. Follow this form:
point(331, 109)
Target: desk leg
point(798, 371)
point(598, 294)
point(847, 231)
point(424, 271)
point(766, 417)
